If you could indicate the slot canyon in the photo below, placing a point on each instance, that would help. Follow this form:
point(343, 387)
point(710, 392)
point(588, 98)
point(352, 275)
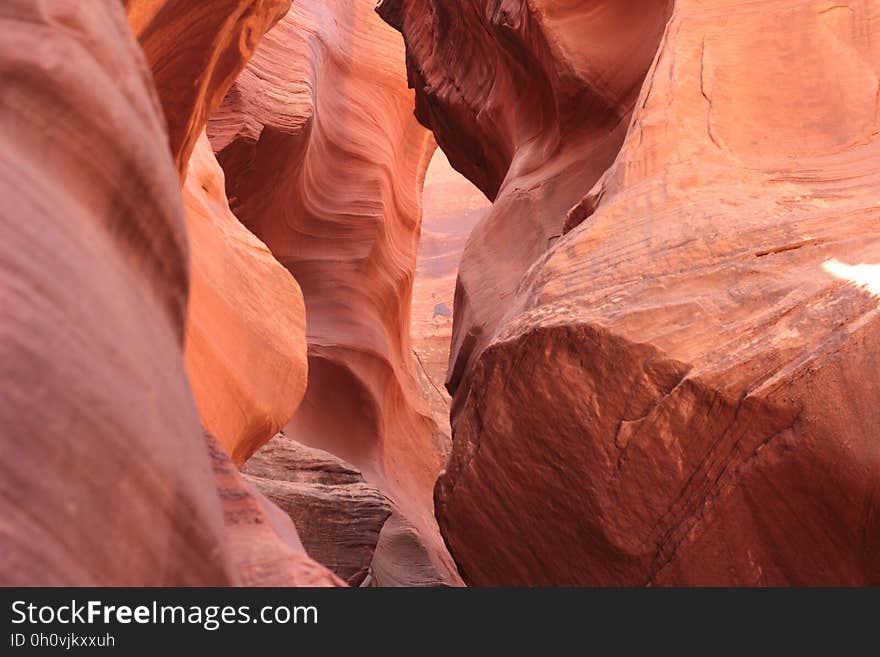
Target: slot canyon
point(423, 293)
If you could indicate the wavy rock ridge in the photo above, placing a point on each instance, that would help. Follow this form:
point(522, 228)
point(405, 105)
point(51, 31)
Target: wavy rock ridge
point(245, 360)
point(195, 51)
point(666, 326)
point(676, 387)
point(325, 163)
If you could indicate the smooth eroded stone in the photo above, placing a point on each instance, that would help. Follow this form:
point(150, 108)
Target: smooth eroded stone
point(324, 162)
point(246, 324)
point(669, 376)
point(106, 480)
point(195, 51)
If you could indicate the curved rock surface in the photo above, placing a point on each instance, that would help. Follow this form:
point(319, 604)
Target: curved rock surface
point(338, 516)
point(677, 386)
point(195, 51)
point(110, 482)
point(265, 545)
point(245, 349)
point(324, 163)
point(530, 101)
point(246, 328)
point(245, 338)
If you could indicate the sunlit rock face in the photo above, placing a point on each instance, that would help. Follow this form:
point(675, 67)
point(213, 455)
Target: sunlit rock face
point(245, 336)
point(246, 328)
point(245, 351)
point(106, 480)
point(324, 162)
point(195, 50)
point(669, 376)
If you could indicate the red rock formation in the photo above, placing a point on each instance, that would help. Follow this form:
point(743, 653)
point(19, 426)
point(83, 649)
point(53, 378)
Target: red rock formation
point(337, 514)
point(245, 333)
point(245, 347)
point(195, 50)
point(264, 543)
point(666, 330)
point(110, 482)
point(532, 104)
point(681, 389)
point(324, 163)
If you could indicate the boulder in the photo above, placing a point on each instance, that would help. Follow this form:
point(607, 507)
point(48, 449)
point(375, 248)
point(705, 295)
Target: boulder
point(669, 377)
point(337, 514)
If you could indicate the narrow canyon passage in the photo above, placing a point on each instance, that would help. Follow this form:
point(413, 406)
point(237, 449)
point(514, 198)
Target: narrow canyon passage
point(451, 208)
point(325, 163)
point(440, 293)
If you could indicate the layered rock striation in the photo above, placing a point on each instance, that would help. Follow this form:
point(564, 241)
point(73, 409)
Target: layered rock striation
point(107, 480)
point(671, 379)
point(337, 514)
point(324, 163)
point(111, 481)
point(245, 338)
point(195, 51)
point(665, 332)
point(265, 546)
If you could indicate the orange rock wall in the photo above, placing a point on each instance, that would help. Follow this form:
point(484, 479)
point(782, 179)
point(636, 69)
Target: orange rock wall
point(246, 328)
point(324, 163)
point(246, 361)
point(111, 481)
point(195, 51)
